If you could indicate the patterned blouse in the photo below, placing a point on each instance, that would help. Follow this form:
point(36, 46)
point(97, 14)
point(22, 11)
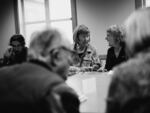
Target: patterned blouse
point(87, 58)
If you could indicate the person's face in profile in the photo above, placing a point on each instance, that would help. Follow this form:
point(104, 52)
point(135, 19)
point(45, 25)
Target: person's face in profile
point(17, 47)
point(84, 39)
point(63, 60)
point(110, 40)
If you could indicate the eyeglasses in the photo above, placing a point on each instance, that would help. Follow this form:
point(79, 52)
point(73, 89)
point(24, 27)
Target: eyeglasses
point(63, 48)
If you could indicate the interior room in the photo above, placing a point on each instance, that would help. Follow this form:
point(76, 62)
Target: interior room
point(28, 16)
point(97, 15)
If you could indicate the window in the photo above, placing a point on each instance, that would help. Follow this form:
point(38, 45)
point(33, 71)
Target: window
point(142, 3)
point(35, 15)
point(147, 3)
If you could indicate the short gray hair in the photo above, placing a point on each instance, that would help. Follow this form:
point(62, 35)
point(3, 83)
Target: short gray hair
point(42, 42)
point(138, 31)
point(118, 32)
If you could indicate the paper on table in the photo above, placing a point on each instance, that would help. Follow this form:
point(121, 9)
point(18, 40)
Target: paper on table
point(89, 85)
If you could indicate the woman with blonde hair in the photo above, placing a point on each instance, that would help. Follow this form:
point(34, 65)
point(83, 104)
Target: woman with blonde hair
point(116, 53)
point(86, 54)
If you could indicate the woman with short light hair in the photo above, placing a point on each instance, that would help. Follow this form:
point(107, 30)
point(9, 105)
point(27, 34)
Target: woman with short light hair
point(116, 53)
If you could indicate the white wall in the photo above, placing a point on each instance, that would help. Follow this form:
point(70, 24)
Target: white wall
point(98, 15)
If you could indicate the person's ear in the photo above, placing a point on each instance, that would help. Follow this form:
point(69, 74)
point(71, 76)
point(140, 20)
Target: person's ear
point(55, 57)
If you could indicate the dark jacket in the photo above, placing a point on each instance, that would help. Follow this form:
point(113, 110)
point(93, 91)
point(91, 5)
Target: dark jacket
point(33, 88)
point(15, 58)
point(112, 60)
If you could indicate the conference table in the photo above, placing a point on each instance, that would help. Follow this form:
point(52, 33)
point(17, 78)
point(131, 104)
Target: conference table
point(92, 89)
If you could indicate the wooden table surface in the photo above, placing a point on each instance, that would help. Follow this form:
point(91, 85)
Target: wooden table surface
point(92, 88)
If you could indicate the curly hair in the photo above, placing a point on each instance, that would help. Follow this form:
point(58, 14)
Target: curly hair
point(138, 31)
point(117, 32)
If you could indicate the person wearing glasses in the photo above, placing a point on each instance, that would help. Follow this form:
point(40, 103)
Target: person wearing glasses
point(38, 85)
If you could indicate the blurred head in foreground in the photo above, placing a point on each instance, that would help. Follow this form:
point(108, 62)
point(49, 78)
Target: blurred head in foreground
point(50, 46)
point(129, 91)
point(138, 31)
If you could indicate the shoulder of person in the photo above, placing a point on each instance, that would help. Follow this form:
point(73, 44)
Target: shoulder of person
point(110, 48)
point(67, 97)
point(91, 48)
point(132, 67)
point(63, 87)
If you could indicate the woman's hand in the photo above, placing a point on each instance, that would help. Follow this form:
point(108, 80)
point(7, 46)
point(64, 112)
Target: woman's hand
point(9, 53)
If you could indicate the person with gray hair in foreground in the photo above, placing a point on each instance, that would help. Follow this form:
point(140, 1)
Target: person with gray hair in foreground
point(38, 86)
point(129, 91)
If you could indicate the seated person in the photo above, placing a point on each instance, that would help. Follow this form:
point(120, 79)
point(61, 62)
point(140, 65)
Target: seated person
point(129, 91)
point(38, 85)
point(116, 53)
point(86, 56)
point(17, 53)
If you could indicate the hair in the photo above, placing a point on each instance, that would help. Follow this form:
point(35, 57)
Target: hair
point(17, 37)
point(117, 32)
point(129, 90)
point(137, 28)
point(42, 42)
point(81, 29)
